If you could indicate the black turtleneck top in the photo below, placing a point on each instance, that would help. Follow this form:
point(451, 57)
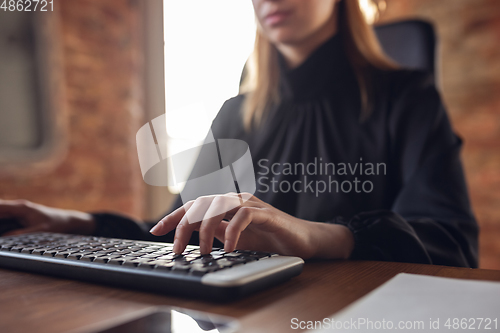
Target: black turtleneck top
point(394, 179)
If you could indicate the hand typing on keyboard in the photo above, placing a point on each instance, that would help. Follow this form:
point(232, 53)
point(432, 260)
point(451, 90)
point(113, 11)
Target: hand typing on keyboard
point(254, 225)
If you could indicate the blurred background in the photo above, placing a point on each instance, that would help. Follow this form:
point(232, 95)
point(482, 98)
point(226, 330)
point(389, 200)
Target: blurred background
point(77, 83)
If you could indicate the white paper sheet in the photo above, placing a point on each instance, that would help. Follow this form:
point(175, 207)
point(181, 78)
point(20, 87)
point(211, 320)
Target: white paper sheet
point(419, 303)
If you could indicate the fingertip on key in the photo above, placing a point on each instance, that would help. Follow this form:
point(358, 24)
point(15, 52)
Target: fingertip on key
point(177, 248)
point(228, 246)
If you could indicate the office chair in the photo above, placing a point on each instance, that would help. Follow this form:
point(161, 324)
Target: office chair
point(410, 43)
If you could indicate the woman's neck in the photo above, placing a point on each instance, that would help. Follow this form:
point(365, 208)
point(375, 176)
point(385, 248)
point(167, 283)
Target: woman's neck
point(296, 53)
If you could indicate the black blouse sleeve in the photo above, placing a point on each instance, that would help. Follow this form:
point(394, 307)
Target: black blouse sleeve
point(431, 220)
point(119, 226)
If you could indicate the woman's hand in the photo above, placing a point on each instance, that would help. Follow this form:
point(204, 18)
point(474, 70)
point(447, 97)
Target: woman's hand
point(242, 221)
point(38, 218)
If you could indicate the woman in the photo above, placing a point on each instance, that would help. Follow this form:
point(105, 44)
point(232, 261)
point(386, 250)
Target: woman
point(321, 95)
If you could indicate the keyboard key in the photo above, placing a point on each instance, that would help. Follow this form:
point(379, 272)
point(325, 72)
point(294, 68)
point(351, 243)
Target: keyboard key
point(180, 267)
point(162, 263)
point(151, 255)
point(100, 253)
point(105, 259)
point(236, 261)
point(39, 251)
point(165, 267)
point(102, 260)
point(243, 251)
point(123, 252)
point(165, 257)
point(28, 249)
point(135, 262)
point(88, 257)
point(146, 265)
point(250, 258)
point(50, 253)
point(62, 255)
point(203, 260)
point(130, 263)
point(217, 256)
point(196, 270)
point(117, 261)
point(79, 255)
point(224, 263)
point(74, 256)
point(232, 254)
point(260, 254)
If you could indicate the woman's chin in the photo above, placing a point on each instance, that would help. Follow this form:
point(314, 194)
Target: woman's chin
point(284, 36)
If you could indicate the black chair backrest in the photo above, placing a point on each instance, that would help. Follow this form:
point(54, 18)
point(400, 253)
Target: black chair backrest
point(410, 43)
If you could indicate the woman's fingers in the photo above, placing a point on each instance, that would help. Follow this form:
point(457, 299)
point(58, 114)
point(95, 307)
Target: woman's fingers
point(189, 222)
point(213, 217)
point(183, 233)
point(210, 211)
point(238, 223)
point(220, 232)
point(222, 206)
point(169, 222)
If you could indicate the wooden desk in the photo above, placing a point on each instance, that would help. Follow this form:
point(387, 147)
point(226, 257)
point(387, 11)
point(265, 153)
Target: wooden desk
point(37, 303)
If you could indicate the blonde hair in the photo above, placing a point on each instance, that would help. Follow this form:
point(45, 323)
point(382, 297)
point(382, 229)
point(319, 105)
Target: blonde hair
point(261, 81)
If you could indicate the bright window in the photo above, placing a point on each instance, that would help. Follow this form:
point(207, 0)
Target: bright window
point(206, 46)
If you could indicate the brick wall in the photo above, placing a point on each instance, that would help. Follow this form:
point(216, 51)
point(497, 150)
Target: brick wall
point(101, 111)
point(469, 41)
